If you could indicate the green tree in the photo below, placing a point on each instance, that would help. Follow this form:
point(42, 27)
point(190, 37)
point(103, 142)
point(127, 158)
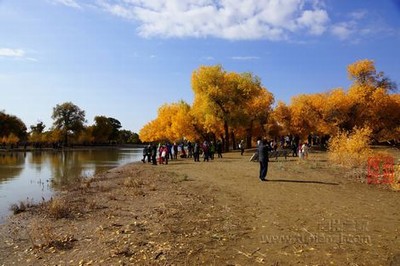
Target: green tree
point(38, 128)
point(10, 124)
point(69, 119)
point(106, 129)
point(102, 129)
point(126, 136)
point(36, 135)
point(116, 125)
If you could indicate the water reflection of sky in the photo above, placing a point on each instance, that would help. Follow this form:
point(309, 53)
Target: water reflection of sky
point(34, 176)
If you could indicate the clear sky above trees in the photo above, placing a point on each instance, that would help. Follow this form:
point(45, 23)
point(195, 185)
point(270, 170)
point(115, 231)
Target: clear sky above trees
point(110, 58)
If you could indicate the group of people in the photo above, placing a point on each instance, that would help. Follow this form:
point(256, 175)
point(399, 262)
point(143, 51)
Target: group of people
point(162, 153)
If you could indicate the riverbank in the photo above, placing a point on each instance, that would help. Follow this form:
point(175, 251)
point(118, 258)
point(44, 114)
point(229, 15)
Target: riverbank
point(71, 148)
point(211, 213)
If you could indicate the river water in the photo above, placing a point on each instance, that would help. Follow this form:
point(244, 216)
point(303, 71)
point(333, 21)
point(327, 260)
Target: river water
point(36, 176)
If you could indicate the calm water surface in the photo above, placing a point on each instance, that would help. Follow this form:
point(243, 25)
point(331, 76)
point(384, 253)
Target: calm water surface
point(34, 176)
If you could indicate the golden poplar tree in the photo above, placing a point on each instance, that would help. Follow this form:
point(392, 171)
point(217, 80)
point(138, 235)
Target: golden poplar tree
point(173, 123)
point(223, 100)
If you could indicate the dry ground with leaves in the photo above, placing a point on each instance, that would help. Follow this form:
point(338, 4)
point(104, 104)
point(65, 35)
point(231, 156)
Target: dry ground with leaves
point(211, 213)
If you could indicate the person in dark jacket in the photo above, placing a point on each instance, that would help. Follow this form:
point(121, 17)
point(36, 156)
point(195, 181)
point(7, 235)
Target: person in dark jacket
point(262, 151)
point(144, 154)
point(241, 147)
point(196, 152)
point(154, 154)
point(206, 151)
point(219, 148)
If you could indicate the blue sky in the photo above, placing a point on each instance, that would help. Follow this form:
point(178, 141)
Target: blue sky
point(125, 58)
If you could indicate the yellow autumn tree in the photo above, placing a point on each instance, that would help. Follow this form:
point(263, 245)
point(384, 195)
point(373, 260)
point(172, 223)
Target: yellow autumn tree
point(350, 149)
point(54, 136)
point(362, 72)
point(11, 139)
point(395, 130)
point(371, 103)
point(222, 100)
point(35, 137)
point(280, 120)
point(385, 116)
point(212, 96)
point(304, 115)
point(336, 111)
point(86, 135)
point(207, 125)
point(173, 122)
point(150, 132)
point(256, 114)
point(255, 107)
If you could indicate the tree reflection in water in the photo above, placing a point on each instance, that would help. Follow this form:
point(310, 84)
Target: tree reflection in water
point(36, 175)
point(11, 165)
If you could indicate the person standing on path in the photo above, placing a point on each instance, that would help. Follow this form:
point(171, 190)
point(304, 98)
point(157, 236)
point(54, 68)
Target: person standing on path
point(154, 154)
point(196, 152)
point(241, 147)
point(219, 148)
point(206, 151)
point(144, 154)
point(262, 150)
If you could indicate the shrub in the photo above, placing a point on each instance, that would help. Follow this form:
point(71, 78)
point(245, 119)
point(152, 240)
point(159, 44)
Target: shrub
point(22, 206)
point(133, 182)
point(42, 236)
point(18, 208)
point(350, 149)
point(396, 182)
point(59, 208)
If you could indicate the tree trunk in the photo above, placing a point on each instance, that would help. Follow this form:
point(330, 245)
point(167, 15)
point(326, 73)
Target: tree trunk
point(223, 143)
point(226, 129)
point(249, 135)
point(66, 139)
point(233, 140)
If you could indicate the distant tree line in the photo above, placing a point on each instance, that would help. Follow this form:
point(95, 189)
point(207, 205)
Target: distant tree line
point(68, 129)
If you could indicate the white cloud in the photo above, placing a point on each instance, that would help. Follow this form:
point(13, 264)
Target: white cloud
point(359, 14)
point(354, 27)
point(227, 19)
point(12, 53)
point(342, 30)
point(15, 54)
point(315, 20)
point(69, 3)
point(234, 19)
point(207, 58)
point(245, 58)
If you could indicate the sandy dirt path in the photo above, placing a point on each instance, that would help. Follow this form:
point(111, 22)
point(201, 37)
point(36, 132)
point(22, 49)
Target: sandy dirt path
point(309, 213)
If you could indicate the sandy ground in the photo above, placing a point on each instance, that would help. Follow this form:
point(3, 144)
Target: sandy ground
point(211, 213)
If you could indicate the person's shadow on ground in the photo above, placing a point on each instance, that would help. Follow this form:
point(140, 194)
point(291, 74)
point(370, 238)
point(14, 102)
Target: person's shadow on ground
point(303, 182)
